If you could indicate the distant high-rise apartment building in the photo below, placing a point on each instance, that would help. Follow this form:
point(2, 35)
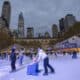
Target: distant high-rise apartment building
point(54, 31)
point(40, 35)
point(6, 13)
point(69, 21)
point(30, 32)
point(61, 25)
point(46, 35)
point(21, 26)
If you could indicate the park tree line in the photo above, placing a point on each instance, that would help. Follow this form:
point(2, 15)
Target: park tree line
point(29, 44)
point(5, 38)
point(73, 30)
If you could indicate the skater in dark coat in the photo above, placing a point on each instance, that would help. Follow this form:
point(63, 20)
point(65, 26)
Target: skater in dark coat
point(13, 60)
point(74, 56)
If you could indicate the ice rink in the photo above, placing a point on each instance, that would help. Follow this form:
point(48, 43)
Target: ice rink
point(65, 67)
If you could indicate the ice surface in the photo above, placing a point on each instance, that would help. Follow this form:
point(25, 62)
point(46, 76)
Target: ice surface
point(65, 67)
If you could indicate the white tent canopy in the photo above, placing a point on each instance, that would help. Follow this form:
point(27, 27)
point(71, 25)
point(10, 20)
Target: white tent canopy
point(74, 41)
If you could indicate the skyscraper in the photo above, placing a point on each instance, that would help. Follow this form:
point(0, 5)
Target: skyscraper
point(3, 27)
point(21, 26)
point(6, 12)
point(30, 32)
point(69, 21)
point(61, 25)
point(2, 22)
point(54, 31)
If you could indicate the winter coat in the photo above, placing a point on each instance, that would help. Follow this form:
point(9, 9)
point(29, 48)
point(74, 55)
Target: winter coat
point(13, 57)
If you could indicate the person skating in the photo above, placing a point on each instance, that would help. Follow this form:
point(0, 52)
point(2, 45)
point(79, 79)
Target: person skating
point(13, 60)
point(31, 53)
point(42, 55)
point(21, 55)
point(74, 56)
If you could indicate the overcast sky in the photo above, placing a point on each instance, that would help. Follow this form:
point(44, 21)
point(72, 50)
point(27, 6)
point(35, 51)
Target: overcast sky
point(42, 13)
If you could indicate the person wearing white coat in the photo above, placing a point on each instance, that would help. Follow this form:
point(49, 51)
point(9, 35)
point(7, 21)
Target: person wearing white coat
point(42, 55)
point(21, 55)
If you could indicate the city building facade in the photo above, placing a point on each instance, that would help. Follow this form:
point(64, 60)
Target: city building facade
point(21, 26)
point(69, 21)
point(54, 31)
point(30, 32)
point(61, 25)
point(6, 13)
point(47, 35)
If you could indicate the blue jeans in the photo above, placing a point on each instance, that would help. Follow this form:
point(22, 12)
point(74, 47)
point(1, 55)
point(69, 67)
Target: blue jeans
point(21, 60)
point(47, 65)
